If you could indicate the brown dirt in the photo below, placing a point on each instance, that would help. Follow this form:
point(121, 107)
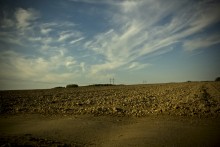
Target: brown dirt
point(187, 99)
point(174, 114)
point(87, 130)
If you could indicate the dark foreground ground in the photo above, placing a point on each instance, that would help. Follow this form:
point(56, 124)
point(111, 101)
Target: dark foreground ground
point(108, 131)
point(175, 114)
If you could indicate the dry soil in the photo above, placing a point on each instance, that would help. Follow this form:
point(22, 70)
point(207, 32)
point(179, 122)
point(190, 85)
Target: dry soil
point(174, 114)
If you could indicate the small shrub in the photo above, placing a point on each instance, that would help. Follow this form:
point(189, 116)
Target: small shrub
point(72, 86)
point(59, 87)
point(217, 79)
point(98, 85)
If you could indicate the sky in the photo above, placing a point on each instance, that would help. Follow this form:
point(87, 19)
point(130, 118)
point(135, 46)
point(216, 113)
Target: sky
point(49, 43)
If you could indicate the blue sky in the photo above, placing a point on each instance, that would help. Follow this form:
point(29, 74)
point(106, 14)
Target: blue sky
point(48, 43)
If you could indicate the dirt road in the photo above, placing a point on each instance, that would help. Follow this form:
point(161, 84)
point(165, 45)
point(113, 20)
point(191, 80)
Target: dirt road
point(109, 131)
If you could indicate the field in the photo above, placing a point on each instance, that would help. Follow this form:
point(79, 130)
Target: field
point(125, 115)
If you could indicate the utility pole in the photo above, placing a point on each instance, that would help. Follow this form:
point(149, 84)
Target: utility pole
point(112, 81)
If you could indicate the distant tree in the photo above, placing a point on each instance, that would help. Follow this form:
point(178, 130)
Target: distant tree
point(72, 86)
point(98, 85)
point(59, 87)
point(217, 79)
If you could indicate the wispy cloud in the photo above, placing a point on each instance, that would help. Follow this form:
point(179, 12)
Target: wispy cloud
point(24, 17)
point(18, 66)
point(140, 34)
point(137, 66)
point(201, 42)
point(52, 50)
point(17, 27)
point(10, 38)
point(77, 40)
point(65, 36)
point(44, 57)
point(7, 23)
point(112, 2)
point(45, 31)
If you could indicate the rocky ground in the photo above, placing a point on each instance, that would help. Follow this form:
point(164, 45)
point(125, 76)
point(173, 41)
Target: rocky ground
point(185, 99)
point(173, 114)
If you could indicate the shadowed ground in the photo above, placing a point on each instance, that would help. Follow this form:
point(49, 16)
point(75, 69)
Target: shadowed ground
point(109, 131)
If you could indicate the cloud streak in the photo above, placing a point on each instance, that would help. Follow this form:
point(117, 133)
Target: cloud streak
point(17, 66)
point(201, 42)
point(141, 34)
point(77, 45)
point(77, 40)
point(43, 57)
